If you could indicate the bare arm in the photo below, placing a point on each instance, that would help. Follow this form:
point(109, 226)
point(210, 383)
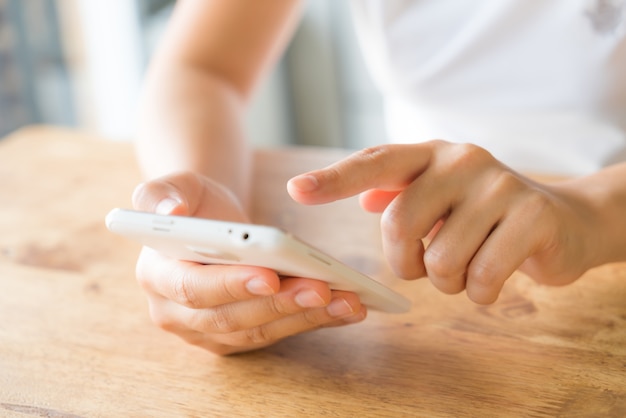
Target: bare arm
point(190, 136)
point(213, 56)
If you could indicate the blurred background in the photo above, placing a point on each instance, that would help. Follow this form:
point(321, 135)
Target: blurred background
point(80, 63)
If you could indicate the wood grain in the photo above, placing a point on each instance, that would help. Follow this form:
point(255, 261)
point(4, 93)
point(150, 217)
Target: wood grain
point(76, 340)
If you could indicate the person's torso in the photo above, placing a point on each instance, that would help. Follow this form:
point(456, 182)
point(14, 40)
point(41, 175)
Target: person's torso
point(541, 84)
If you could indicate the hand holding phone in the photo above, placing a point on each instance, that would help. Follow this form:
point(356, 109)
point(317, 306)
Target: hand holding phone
point(219, 242)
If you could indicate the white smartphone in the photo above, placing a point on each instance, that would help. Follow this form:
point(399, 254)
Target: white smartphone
point(218, 242)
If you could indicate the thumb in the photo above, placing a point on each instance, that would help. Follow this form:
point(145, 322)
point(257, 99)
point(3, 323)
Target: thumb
point(160, 196)
point(188, 194)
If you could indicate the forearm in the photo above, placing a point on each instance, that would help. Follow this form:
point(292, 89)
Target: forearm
point(212, 56)
point(192, 121)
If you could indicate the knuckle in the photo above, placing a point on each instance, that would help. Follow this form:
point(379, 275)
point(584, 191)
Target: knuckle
point(365, 157)
point(312, 319)
point(392, 224)
point(183, 289)
point(259, 335)
point(482, 274)
point(439, 143)
point(375, 152)
point(226, 289)
point(278, 306)
point(220, 321)
point(446, 274)
point(375, 156)
point(505, 182)
point(464, 156)
point(439, 264)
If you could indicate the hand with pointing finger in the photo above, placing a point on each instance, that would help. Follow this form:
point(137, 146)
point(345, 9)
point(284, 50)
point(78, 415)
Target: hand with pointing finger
point(485, 220)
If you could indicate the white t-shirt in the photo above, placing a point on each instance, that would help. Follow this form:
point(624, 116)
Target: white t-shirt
point(539, 83)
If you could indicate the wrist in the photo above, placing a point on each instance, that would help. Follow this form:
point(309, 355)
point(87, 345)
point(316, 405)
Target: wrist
point(599, 201)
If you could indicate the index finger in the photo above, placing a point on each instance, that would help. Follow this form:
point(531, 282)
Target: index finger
point(386, 167)
point(202, 286)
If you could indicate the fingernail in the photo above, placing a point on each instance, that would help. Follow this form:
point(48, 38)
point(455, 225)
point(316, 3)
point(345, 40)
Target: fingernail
point(339, 307)
point(166, 206)
point(259, 287)
point(305, 183)
point(309, 299)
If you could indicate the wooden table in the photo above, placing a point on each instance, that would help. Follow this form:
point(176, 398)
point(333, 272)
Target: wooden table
point(76, 339)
